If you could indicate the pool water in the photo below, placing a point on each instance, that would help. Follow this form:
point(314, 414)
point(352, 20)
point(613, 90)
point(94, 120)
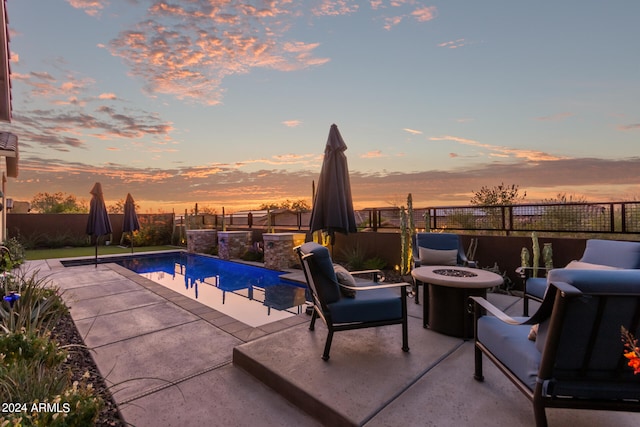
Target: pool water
point(253, 295)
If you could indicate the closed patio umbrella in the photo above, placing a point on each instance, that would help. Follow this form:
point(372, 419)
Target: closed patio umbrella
point(130, 222)
point(332, 205)
point(98, 223)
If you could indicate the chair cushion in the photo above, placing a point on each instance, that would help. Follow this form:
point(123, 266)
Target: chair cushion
point(537, 286)
point(614, 253)
point(322, 272)
point(438, 256)
point(345, 278)
point(511, 345)
point(367, 306)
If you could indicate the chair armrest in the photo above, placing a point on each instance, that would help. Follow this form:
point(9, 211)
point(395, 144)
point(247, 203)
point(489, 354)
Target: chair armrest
point(471, 264)
point(526, 272)
point(368, 288)
point(495, 311)
point(377, 274)
point(544, 311)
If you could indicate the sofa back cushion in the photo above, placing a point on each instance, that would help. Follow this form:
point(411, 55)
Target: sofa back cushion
point(613, 253)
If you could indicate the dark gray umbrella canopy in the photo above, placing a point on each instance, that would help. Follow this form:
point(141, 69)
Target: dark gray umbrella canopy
point(130, 222)
point(332, 206)
point(98, 223)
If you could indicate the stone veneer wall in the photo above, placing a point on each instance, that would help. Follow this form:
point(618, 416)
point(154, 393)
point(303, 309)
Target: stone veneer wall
point(201, 241)
point(233, 244)
point(278, 249)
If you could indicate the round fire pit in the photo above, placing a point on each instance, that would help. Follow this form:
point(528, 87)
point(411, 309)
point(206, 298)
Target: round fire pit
point(453, 272)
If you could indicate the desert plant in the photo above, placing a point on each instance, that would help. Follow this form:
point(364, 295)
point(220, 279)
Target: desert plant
point(354, 256)
point(16, 251)
point(38, 307)
point(375, 263)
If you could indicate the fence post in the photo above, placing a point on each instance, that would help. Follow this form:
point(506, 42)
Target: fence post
point(250, 219)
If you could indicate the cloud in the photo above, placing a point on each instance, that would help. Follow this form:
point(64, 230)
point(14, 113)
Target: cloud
point(424, 14)
point(499, 151)
point(292, 123)
point(633, 126)
point(191, 61)
point(555, 117)
point(90, 7)
point(413, 131)
point(225, 185)
point(335, 7)
point(454, 44)
point(372, 155)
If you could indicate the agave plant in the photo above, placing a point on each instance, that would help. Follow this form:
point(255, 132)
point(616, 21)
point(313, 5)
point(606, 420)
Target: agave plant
point(39, 306)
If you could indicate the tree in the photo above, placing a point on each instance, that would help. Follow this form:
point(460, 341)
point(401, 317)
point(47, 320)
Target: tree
point(118, 207)
point(58, 203)
point(298, 205)
point(498, 195)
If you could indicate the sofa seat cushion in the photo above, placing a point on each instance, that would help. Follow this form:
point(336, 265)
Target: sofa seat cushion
point(511, 345)
point(537, 286)
point(368, 306)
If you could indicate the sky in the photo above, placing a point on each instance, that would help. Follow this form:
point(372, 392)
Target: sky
point(229, 103)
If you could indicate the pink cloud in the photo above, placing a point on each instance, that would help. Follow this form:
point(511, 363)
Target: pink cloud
point(632, 126)
point(555, 117)
point(90, 7)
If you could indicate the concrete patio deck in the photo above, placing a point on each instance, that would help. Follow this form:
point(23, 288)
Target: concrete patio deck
point(176, 362)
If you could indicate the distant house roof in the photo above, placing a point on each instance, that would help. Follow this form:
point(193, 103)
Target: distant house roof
point(5, 68)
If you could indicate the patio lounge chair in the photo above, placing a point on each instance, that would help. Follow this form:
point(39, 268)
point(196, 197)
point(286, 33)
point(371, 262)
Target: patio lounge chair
point(374, 303)
point(438, 249)
point(577, 358)
point(598, 255)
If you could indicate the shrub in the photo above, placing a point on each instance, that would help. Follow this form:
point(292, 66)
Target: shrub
point(39, 307)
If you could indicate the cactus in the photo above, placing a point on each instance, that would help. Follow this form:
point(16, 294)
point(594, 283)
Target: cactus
point(536, 253)
point(405, 244)
point(547, 256)
point(525, 258)
point(411, 229)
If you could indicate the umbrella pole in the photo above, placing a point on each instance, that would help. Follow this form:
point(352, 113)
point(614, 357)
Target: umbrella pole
point(96, 251)
point(131, 237)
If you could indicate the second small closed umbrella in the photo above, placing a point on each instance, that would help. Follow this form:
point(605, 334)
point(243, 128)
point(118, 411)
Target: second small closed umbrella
point(130, 222)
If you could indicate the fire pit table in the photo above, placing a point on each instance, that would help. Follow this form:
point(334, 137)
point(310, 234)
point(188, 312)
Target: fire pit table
point(447, 289)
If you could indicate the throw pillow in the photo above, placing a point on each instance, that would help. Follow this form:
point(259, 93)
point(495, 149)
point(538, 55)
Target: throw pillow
point(438, 256)
point(345, 278)
point(533, 332)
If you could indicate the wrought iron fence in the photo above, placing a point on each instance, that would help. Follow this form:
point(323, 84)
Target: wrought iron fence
point(609, 217)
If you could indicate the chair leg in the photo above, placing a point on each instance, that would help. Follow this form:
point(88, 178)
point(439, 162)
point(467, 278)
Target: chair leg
point(405, 322)
point(416, 288)
point(478, 376)
point(539, 411)
point(525, 305)
point(314, 316)
point(327, 346)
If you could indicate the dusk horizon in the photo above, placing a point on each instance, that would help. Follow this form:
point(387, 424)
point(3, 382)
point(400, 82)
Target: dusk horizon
point(229, 104)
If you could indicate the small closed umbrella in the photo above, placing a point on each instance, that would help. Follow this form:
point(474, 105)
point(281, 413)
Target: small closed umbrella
point(332, 205)
point(98, 223)
point(130, 222)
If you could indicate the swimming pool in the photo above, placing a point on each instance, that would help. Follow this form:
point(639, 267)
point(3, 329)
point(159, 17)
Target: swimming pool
point(250, 294)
